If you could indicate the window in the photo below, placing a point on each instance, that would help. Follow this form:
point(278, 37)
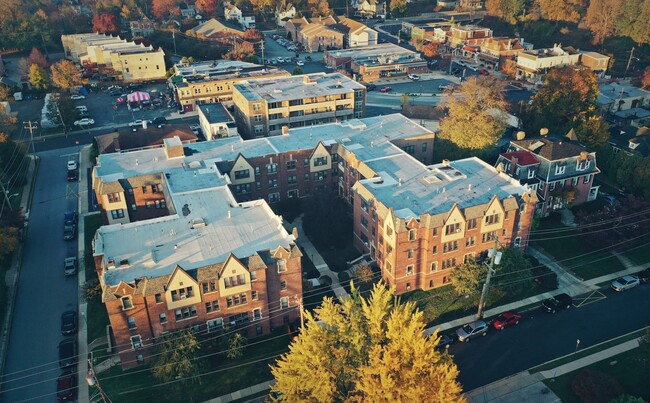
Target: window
point(254, 296)
point(364, 222)
point(468, 257)
point(131, 321)
point(283, 285)
point(517, 242)
point(119, 213)
point(136, 342)
point(319, 176)
point(448, 264)
point(410, 253)
point(257, 107)
point(272, 168)
point(320, 161)
point(574, 181)
point(430, 283)
point(472, 224)
point(435, 249)
point(257, 118)
point(388, 266)
point(242, 174)
point(492, 219)
point(583, 165)
point(162, 318)
point(292, 194)
point(127, 303)
point(452, 228)
point(229, 302)
point(257, 314)
point(306, 177)
point(434, 266)
point(274, 197)
point(145, 189)
point(551, 187)
point(489, 236)
point(291, 165)
point(259, 129)
point(450, 246)
point(282, 267)
point(435, 232)
point(214, 324)
point(253, 275)
point(586, 179)
point(284, 302)
point(241, 279)
point(504, 232)
point(211, 306)
point(559, 169)
point(113, 197)
point(409, 149)
point(531, 173)
point(412, 235)
point(158, 298)
point(134, 207)
point(424, 147)
point(470, 241)
point(409, 270)
point(292, 179)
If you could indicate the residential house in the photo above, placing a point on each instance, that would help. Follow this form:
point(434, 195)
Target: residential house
point(430, 32)
point(561, 171)
point(535, 63)
point(232, 13)
point(494, 51)
point(472, 4)
point(143, 27)
point(216, 121)
point(284, 13)
point(333, 32)
point(212, 81)
point(632, 141)
point(214, 29)
point(472, 35)
point(597, 62)
point(448, 4)
point(188, 11)
point(624, 100)
point(142, 138)
point(372, 8)
point(376, 61)
point(269, 107)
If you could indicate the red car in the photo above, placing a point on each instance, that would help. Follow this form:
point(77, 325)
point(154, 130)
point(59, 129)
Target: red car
point(483, 72)
point(66, 386)
point(385, 89)
point(506, 319)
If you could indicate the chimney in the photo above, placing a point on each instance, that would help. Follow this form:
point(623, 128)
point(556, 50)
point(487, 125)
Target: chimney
point(294, 232)
point(584, 155)
point(520, 135)
point(445, 163)
point(229, 215)
point(285, 130)
point(469, 187)
point(513, 164)
point(543, 132)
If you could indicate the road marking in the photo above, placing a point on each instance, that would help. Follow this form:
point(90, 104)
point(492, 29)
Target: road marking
point(68, 155)
point(595, 296)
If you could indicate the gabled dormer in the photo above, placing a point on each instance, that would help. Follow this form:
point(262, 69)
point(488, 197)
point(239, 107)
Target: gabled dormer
point(181, 289)
point(242, 171)
point(453, 227)
point(493, 216)
point(320, 159)
point(234, 277)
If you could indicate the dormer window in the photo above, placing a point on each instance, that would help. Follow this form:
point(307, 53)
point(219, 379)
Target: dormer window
point(583, 165)
point(282, 266)
point(559, 169)
point(531, 173)
point(127, 303)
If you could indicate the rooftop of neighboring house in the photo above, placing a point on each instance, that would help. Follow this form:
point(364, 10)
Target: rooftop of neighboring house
point(364, 52)
point(313, 30)
point(555, 51)
point(503, 44)
point(412, 189)
point(297, 87)
point(139, 138)
point(524, 157)
point(469, 28)
point(219, 70)
point(610, 92)
point(141, 22)
point(551, 148)
point(208, 226)
point(632, 140)
point(595, 55)
point(213, 27)
point(215, 113)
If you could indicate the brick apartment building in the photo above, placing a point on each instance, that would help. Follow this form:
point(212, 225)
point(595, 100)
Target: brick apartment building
point(212, 81)
point(264, 106)
point(207, 262)
point(560, 170)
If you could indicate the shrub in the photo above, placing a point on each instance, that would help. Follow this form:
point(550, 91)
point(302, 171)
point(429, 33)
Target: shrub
point(595, 387)
point(545, 277)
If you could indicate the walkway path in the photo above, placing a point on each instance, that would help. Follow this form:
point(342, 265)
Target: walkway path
point(315, 257)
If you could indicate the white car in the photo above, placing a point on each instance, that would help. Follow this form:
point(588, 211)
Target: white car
point(414, 77)
point(625, 283)
point(280, 59)
point(137, 123)
point(460, 63)
point(72, 164)
point(300, 63)
point(84, 122)
point(77, 97)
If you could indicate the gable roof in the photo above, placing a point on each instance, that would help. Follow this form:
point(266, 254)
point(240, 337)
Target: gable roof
point(551, 150)
point(214, 27)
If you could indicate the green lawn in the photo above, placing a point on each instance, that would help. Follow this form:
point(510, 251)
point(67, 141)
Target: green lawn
point(221, 376)
point(97, 320)
point(91, 224)
point(630, 370)
point(96, 312)
point(639, 255)
point(566, 248)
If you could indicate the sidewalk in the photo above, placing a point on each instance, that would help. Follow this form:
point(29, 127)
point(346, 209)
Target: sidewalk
point(315, 257)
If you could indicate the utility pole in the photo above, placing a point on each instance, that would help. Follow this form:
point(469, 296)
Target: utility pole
point(44, 46)
point(92, 380)
point(174, 37)
point(493, 260)
point(29, 125)
point(262, 47)
point(65, 127)
point(629, 62)
point(302, 315)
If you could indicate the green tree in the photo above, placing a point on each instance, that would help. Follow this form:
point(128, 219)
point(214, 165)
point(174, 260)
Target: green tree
point(514, 271)
point(628, 399)
point(236, 346)
point(592, 130)
point(476, 115)
point(297, 71)
point(641, 31)
point(177, 358)
point(508, 10)
point(562, 10)
point(398, 7)
point(468, 277)
point(65, 74)
point(38, 77)
point(370, 349)
point(601, 18)
point(62, 110)
point(5, 92)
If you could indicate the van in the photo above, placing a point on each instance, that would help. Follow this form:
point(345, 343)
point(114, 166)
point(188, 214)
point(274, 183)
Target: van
point(82, 108)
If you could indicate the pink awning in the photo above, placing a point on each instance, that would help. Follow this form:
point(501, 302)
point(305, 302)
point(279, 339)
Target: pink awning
point(138, 96)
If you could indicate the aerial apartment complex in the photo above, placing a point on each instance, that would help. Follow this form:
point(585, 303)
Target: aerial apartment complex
point(212, 81)
point(116, 57)
point(264, 106)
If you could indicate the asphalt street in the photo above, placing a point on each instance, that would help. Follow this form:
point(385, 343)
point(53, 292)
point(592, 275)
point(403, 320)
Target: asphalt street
point(541, 336)
point(44, 292)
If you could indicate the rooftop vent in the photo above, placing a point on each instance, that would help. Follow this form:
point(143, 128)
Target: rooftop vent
point(197, 223)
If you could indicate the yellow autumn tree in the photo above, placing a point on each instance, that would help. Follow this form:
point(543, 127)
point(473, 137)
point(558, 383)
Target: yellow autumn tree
point(366, 350)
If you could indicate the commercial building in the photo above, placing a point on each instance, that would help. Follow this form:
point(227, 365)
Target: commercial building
point(264, 106)
point(333, 32)
point(216, 121)
point(472, 35)
point(116, 57)
point(212, 81)
point(378, 61)
point(210, 263)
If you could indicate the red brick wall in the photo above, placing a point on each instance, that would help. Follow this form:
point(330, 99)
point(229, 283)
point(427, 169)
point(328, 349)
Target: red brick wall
point(140, 199)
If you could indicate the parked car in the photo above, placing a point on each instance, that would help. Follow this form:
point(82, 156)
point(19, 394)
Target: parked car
point(625, 283)
point(460, 63)
point(308, 58)
point(84, 122)
point(280, 59)
point(77, 97)
point(506, 319)
point(445, 342)
point(70, 217)
point(73, 175)
point(138, 123)
point(385, 89)
point(472, 330)
point(414, 77)
point(70, 266)
point(66, 386)
point(69, 232)
point(159, 120)
point(68, 322)
point(558, 302)
point(484, 72)
point(369, 87)
point(72, 164)
point(68, 353)
point(300, 63)
point(644, 276)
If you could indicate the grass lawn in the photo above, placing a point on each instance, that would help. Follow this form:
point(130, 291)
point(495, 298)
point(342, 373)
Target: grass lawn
point(629, 371)
point(566, 248)
point(639, 255)
point(97, 320)
point(91, 224)
point(221, 376)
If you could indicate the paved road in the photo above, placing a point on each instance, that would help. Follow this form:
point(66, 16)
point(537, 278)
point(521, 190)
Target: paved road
point(43, 291)
point(542, 337)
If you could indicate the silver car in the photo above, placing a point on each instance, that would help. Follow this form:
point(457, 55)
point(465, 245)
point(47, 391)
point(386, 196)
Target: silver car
point(625, 283)
point(471, 330)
